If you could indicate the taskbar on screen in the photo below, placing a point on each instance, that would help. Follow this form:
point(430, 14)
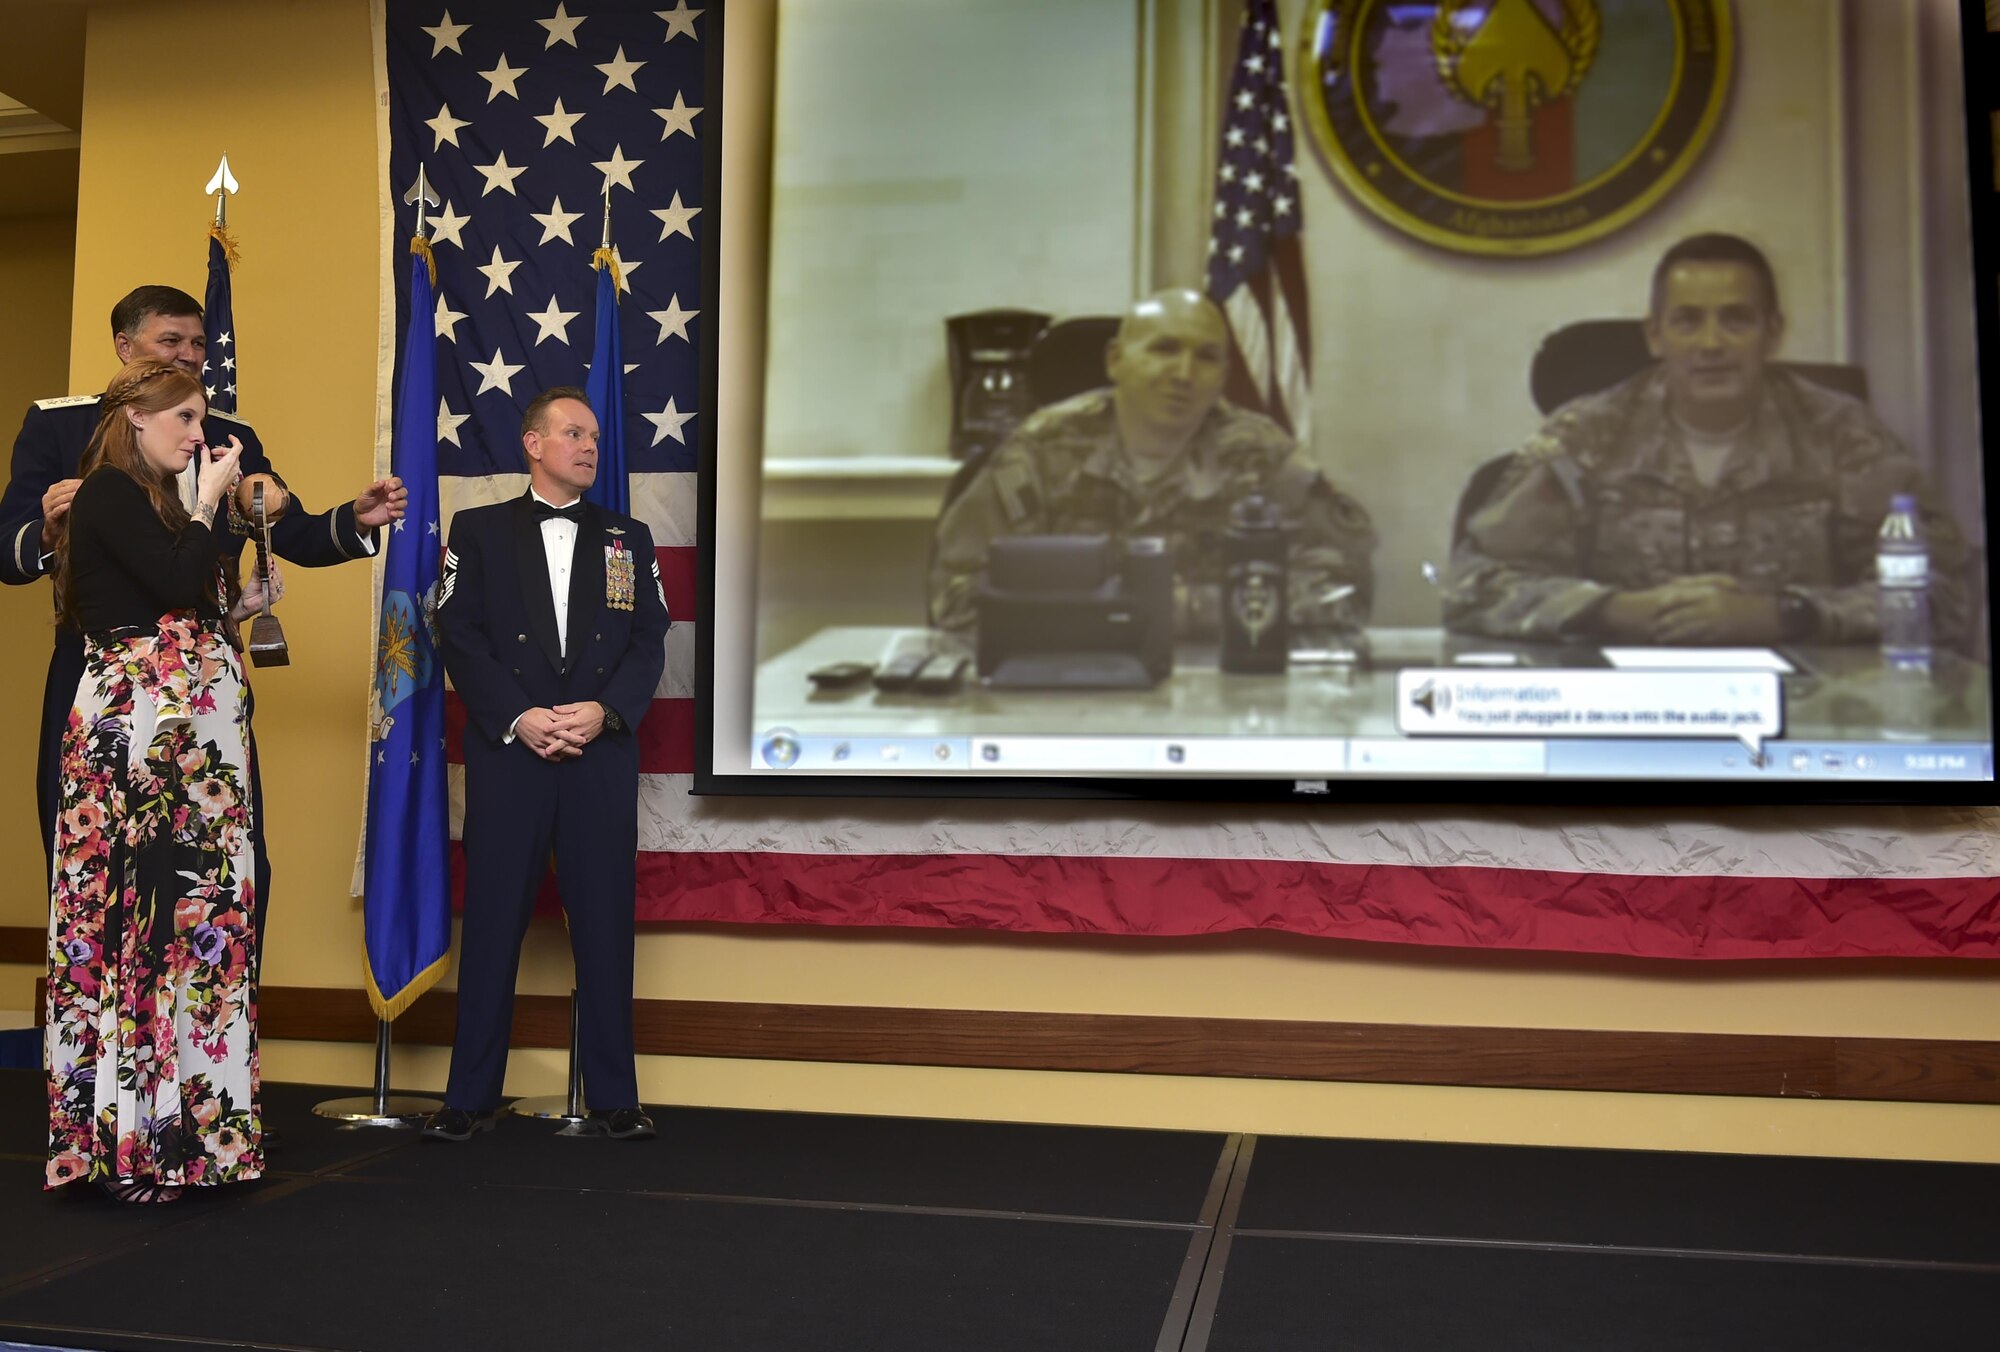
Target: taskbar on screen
point(784, 752)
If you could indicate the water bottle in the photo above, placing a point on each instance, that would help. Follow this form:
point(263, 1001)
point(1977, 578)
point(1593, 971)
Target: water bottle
point(1903, 573)
point(1255, 639)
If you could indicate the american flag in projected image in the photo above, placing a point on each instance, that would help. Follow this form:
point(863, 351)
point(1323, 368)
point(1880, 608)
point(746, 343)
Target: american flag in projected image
point(1256, 264)
point(522, 115)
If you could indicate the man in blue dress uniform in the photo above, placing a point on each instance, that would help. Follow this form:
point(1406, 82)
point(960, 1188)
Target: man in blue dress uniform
point(552, 622)
point(164, 324)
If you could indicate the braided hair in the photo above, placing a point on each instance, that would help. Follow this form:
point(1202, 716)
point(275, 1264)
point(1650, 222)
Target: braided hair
point(149, 387)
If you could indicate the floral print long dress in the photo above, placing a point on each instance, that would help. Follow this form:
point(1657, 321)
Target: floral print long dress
point(151, 1017)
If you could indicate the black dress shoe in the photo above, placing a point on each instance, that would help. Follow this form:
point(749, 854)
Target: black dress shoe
point(624, 1124)
point(456, 1124)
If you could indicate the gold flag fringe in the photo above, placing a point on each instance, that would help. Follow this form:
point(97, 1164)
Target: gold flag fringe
point(220, 234)
point(421, 247)
point(387, 1007)
point(605, 258)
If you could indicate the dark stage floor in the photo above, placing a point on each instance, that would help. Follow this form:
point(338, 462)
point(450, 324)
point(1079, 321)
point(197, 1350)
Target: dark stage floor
point(747, 1230)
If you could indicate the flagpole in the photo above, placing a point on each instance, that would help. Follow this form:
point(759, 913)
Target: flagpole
point(566, 1107)
point(605, 384)
point(219, 368)
point(381, 1108)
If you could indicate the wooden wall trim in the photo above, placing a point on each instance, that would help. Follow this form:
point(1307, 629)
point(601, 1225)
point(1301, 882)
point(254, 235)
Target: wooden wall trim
point(1908, 1070)
point(1904, 1070)
point(24, 944)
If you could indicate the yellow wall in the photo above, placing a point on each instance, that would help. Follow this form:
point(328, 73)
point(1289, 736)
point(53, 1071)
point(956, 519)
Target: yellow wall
point(303, 147)
point(35, 276)
point(301, 140)
point(35, 270)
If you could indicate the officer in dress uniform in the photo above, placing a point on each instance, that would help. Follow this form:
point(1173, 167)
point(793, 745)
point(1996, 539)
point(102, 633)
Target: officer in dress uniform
point(162, 323)
point(552, 622)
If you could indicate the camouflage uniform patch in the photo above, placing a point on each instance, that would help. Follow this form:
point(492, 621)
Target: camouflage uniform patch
point(1604, 499)
point(1063, 472)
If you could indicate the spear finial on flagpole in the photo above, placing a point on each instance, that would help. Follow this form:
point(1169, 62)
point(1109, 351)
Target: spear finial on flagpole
point(221, 186)
point(423, 196)
point(605, 257)
point(420, 193)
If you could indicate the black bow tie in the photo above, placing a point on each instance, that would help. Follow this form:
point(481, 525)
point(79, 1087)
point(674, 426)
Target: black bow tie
point(572, 513)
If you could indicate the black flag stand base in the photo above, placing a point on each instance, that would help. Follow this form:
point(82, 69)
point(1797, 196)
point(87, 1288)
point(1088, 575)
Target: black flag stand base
point(382, 1109)
point(565, 1108)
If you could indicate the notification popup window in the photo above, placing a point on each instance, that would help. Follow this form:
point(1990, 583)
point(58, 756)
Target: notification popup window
point(1746, 706)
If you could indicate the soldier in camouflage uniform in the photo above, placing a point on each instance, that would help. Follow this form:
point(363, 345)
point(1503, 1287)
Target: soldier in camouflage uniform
point(1707, 500)
point(1159, 453)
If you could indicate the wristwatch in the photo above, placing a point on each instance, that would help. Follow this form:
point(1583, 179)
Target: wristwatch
point(612, 720)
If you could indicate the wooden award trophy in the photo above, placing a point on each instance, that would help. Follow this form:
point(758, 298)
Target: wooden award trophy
point(266, 638)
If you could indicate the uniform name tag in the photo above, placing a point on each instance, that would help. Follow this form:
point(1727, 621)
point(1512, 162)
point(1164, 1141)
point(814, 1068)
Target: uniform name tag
point(620, 579)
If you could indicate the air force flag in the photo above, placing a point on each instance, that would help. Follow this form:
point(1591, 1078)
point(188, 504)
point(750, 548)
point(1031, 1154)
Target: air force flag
point(407, 904)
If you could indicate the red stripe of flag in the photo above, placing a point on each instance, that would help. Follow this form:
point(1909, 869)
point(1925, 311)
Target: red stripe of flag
point(666, 738)
point(1288, 261)
point(1242, 387)
point(1270, 399)
point(1642, 915)
point(679, 566)
point(454, 728)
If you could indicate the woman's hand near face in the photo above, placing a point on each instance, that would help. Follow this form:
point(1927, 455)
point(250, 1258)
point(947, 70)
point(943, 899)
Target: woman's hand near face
point(218, 471)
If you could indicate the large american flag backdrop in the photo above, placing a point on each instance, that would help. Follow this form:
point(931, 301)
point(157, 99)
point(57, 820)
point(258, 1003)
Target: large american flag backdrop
point(524, 118)
point(522, 114)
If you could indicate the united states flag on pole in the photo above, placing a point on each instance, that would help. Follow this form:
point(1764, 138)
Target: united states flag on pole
point(1256, 265)
point(218, 322)
point(524, 117)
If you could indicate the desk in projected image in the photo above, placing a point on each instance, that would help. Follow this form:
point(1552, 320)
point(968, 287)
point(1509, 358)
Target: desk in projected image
point(1845, 716)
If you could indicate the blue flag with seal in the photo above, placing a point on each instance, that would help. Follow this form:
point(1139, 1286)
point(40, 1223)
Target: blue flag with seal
point(218, 323)
point(406, 908)
point(606, 388)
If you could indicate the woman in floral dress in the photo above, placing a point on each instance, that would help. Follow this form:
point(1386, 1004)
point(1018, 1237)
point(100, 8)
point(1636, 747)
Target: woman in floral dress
point(152, 1007)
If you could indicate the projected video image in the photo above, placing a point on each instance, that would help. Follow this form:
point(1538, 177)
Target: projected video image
point(1326, 390)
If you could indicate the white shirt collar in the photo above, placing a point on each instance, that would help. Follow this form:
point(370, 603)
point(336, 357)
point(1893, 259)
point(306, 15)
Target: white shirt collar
point(558, 505)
